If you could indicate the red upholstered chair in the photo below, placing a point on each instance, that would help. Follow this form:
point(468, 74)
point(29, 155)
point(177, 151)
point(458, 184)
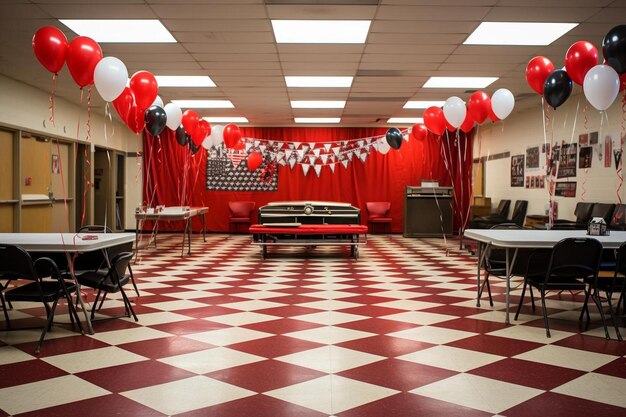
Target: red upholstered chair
point(377, 214)
point(240, 213)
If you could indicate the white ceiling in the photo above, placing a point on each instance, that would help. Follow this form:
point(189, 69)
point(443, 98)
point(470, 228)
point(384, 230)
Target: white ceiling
point(232, 42)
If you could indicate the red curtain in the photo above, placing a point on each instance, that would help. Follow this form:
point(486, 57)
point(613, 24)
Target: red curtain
point(173, 177)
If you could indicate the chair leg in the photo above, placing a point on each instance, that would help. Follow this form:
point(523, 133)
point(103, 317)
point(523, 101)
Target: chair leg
point(608, 299)
point(545, 312)
point(4, 308)
point(72, 311)
point(48, 325)
point(596, 298)
point(532, 298)
point(482, 289)
point(521, 300)
point(128, 305)
point(102, 301)
point(95, 303)
point(585, 307)
point(132, 279)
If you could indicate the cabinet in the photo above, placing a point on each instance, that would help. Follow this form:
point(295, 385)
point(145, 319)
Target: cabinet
point(428, 211)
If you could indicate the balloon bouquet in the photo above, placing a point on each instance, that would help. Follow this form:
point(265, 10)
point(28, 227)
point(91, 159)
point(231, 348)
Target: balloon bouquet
point(601, 83)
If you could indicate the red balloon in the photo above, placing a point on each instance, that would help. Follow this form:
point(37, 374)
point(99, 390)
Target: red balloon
point(434, 120)
point(493, 116)
point(468, 123)
point(419, 131)
point(232, 135)
point(135, 119)
point(478, 106)
point(537, 71)
point(190, 121)
point(145, 88)
point(255, 159)
point(50, 47)
point(83, 54)
point(123, 103)
point(201, 132)
point(579, 59)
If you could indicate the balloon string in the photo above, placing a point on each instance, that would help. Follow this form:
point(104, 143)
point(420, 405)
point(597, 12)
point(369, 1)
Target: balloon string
point(585, 114)
point(52, 94)
point(78, 121)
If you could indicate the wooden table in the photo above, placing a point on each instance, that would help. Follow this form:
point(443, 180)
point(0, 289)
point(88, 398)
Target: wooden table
point(185, 214)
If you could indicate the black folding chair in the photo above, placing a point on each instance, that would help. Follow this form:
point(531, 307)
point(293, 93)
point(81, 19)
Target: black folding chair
point(571, 263)
point(17, 264)
point(110, 280)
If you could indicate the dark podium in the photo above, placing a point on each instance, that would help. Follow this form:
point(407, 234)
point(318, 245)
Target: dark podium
point(428, 211)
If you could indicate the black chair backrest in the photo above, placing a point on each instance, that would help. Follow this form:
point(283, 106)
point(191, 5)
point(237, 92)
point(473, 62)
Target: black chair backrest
point(503, 208)
point(583, 212)
point(519, 212)
point(618, 219)
point(604, 210)
point(116, 250)
point(95, 228)
point(574, 258)
point(119, 264)
point(16, 263)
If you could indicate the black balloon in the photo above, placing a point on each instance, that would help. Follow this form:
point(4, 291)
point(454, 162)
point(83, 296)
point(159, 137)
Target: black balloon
point(193, 147)
point(557, 88)
point(181, 136)
point(394, 138)
point(155, 120)
point(614, 48)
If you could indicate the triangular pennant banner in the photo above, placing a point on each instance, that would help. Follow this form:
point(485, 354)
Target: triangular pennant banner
point(262, 148)
point(301, 153)
point(360, 143)
point(280, 145)
point(327, 147)
point(316, 152)
point(349, 155)
point(292, 162)
point(324, 159)
point(357, 152)
point(296, 145)
point(305, 168)
point(271, 143)
point(312, 146)
point(318, 169)
point(332, 167)
point(336, 150)
point(345, 163)
point(257, 143)
point(363, 157)
point(288, 153)
point(282, 162)
point(312, 159)
point(248, 147)
point(405, 137)
point(368, 140)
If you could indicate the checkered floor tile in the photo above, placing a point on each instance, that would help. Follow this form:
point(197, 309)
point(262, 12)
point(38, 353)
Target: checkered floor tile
point(313, 333)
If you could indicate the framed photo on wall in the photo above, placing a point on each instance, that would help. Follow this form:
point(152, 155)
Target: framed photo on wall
point(565, 189)
point(517, 171)
point(585, 157)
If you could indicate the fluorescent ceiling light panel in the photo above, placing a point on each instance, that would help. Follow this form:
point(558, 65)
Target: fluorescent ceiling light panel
point(518, 33)
point(323, 81)
point(320, 31)
point(121, 30)
point(317, 119)
point(184, 81)
point(406, 120)
point(419, 104)
point(459, 82)
point(318, 104)
point(204, 104)
point(226, 119)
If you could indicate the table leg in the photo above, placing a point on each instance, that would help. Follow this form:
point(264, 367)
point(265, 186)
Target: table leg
point(78, 295)
point(509, 267)
point(182, 248)
point(190, 231)
point(480, 253)
point(137, 235)
point(156, 232)
point(204, 226)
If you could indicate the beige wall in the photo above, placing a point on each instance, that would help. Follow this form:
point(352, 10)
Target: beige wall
point(26, 108)
point(523, 129)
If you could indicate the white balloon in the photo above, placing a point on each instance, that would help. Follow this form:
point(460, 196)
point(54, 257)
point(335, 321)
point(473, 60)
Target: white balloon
point(217, 136)
point(383, 147)
point(174, 115)
point(502, 103)
point(601, 86)
point(110, 77)
point(454, 110)
point(157, 102)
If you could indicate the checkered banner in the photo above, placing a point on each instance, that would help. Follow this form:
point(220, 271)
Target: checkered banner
point(226, 170)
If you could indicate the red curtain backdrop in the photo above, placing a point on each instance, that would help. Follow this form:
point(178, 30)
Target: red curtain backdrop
point(174, 177)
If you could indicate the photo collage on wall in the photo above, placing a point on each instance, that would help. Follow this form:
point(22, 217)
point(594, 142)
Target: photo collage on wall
point(567, 161)
point(517, 171)
point(535, 161)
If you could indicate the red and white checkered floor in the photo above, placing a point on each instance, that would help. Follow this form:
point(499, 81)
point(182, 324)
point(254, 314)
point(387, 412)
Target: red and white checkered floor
point(395, 333)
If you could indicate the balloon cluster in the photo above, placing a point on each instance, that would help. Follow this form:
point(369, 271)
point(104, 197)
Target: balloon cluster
point(601, 83)
point(135, 100)
point(455, 114)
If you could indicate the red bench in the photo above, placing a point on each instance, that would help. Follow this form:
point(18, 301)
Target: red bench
point(309, 235)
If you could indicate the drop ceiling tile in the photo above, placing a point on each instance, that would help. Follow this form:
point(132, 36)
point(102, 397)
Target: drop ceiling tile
point(413, 26)
point(309, 49)
point(330, 58)
point(418, 38)
point(430, 13)
point(175, 10)
point(232, 24)
point(541, 14)
point(391, 49)
point(320, 12)
point(22, 11)
point(88, 10)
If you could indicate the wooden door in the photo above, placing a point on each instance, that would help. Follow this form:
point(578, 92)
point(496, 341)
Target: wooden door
point(35, 177)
